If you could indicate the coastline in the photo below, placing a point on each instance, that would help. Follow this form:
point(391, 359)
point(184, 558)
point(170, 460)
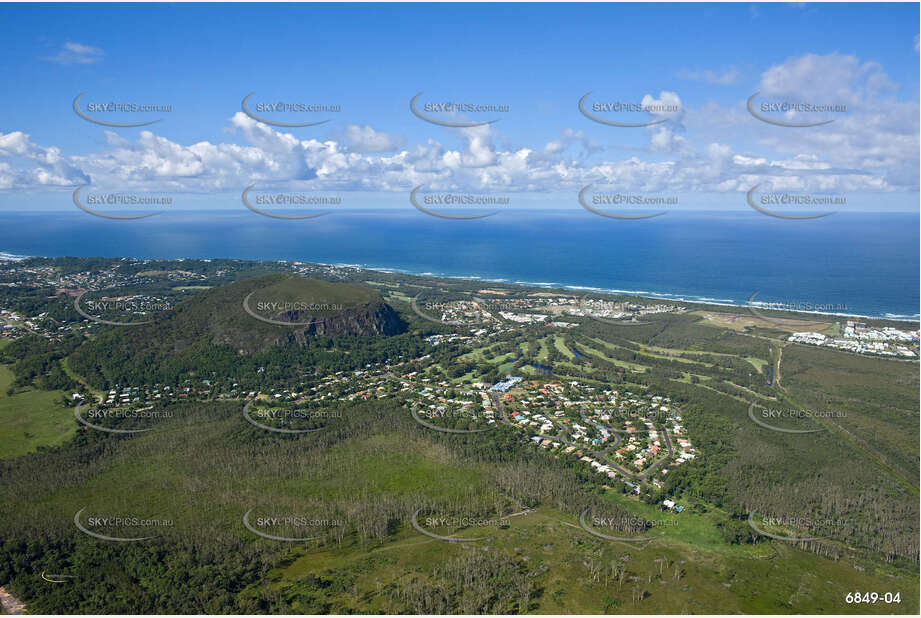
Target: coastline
point(642, 294)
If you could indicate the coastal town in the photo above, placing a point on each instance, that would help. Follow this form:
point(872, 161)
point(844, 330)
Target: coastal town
point(859, 338)
point(614, 431)
point(544, 308)
point(120, 291)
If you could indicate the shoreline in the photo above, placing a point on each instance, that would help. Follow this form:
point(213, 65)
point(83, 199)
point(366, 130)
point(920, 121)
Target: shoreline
point(643, 294)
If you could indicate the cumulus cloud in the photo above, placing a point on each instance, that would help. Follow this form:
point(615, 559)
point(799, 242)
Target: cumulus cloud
point(833, 78)
point(76, 53)
point(366, 139)
point(35, 166)
point(873, 147)
point(568, 138)
point(152, 162)
point(877, 133)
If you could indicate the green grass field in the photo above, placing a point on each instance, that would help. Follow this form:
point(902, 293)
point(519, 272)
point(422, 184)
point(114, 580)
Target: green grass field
point(31, 418)
point(205, 480)
point(207, 467)
point(687, 568)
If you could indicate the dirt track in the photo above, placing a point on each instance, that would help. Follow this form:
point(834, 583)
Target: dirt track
point(10, 604)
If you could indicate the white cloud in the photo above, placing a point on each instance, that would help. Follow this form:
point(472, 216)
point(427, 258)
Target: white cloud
point(366, 139)
point(155, 163)
point(37, 166)
point(567, 139)
point(832, 78)
point(76, 53)
point(878, 134)
point(873, 147)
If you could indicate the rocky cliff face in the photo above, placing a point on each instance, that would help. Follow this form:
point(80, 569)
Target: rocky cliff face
point(249, 336)
point(374, 319)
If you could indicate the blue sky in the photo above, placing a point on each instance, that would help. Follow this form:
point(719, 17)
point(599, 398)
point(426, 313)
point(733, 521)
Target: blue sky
point(536, 59)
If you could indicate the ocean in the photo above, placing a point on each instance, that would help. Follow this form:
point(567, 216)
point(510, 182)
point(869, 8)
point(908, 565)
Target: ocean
point(848, 263)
